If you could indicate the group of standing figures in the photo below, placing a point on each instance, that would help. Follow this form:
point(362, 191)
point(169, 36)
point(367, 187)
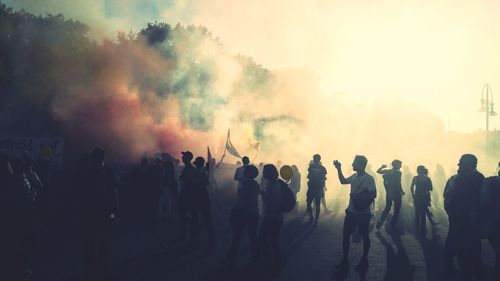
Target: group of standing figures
point(470, 200)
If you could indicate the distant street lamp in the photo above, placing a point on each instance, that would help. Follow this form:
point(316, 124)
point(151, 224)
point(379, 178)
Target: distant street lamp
point(487, 104)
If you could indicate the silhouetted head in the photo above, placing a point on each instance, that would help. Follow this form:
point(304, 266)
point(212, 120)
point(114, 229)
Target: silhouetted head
point(251, 172)
point(295, 169)
point(187, 156)
point(396, 164)
point(245, 160)
point(316, 159)
point(359, 163)
point(199, 162)
point(97, 156)
point(270, 172)
point(467, 164)
point(421, 170)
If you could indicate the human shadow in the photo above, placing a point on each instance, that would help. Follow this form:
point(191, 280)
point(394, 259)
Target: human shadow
point(398, 263)
point(340, 272)
point(433, 255)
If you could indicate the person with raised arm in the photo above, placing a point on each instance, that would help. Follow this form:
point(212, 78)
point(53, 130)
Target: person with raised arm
point(358, 213)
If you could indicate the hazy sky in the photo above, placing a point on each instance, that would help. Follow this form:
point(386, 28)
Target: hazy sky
point(437, 54)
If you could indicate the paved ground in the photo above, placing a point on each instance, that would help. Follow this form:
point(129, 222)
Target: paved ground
point(150, 252)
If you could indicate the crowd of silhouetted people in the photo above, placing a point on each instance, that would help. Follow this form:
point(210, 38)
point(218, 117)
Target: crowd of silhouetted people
point(181, 191)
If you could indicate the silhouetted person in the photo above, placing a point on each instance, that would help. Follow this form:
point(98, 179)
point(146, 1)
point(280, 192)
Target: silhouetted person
point(187, 193)
point(272, 216)
point(201, 200)
point(212, 166)
point(394, 192)
point(170, 182)
point(462, 198)
point(142, 181)
point(245, 215)
point(295, 184)
point(421, 186)
point(157, 174)
point(358, 213)
point(99, 204)
point(380, 202)
point(315, 187)
point(490, 216)
point(240, 171)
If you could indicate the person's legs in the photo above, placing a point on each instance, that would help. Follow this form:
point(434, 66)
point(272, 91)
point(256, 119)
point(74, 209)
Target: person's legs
point(364, 230)
point(183, 217)
point(194, 224)
point(423, 220)
point(385, 212)
point(309, 205)
point(464, 262)
point(495, 243)
point(207, 221)
point(317, 205)
point(252, 234)
point(349, 226)
point(295, 210)
point(103, 256)
point(275, 245)
point(450, 248)
point(88, 257)
point(397, 209)
point(235, 243)
point(264, 237)
point(419, 218)
point(323, 202)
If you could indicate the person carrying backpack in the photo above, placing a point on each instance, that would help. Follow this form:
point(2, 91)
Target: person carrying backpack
point(358, 213)
point(315, 187)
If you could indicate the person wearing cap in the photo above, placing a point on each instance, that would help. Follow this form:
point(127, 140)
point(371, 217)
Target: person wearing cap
point(394, 192)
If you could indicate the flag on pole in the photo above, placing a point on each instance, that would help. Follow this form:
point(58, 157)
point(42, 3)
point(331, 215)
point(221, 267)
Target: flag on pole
point(209, 155)
point(230, 147)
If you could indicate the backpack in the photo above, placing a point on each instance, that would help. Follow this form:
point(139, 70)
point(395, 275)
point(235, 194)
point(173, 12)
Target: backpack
point(287, 198)
point(362, 201)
